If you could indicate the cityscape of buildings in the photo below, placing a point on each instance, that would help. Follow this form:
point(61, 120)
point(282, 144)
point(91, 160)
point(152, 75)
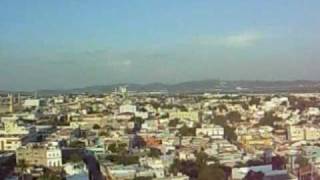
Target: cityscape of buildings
point(159, 90)
point(126, 135)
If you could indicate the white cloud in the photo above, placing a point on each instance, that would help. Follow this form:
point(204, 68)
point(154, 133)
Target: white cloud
point(119, 63)
point(235, 40)
point(244, 39)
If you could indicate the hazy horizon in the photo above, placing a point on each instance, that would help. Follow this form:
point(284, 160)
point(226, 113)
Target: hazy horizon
point(73, 44)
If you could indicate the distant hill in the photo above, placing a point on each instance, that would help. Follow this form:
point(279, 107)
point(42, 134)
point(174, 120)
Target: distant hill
point(197, 86)
point(203, 86)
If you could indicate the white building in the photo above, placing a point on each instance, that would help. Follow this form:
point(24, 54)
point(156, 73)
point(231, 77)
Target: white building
point(128, 108)
point(10, 143)
point(12, 136)
point(32, 103)
point(214, 131)
point(54, 155)
point(10, 127)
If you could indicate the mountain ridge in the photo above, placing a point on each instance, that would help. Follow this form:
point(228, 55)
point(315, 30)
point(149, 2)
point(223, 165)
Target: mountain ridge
point(196, 86)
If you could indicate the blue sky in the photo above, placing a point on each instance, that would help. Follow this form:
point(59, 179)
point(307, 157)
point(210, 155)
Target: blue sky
point(76, 43)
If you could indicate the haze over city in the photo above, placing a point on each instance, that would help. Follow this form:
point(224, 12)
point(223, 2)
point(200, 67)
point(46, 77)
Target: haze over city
point(67, 44)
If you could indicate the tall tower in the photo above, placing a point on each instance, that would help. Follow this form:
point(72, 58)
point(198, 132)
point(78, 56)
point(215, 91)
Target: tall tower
point(19, 99)
point(11, 103)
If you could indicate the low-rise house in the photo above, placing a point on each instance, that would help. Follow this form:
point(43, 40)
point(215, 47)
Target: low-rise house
point(122, 172)
point(255, 142)
point(11, 143)
point(306, 132)
point(211, 130)
point(186, 154)
point(191, 115)
point(312, 153)
point(12, 136)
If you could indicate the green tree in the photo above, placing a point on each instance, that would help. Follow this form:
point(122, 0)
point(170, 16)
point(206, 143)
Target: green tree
point(138, 121)
point(219, 120)
point(155, 153)
point(245, 106)
point(233, 116)
point(123, 159)
point(75, 158)
point(186, 131)
point(211, 172)
point(201, 159)
point(230, 134)
point(302, 161)
point(117, 148)
point(77, 144)
point(173, 122)
point(103, 133)
point(50, 174)
point(269, 119)
point(96, 126)
point(143, 178)
point(222, 107)
point(175, 167)
point(22, 165)
point(254, 101)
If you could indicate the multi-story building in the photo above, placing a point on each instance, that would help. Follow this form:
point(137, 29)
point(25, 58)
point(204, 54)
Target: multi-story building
point(192, 115)
point(312, 153)
point(295, 133)
point(128, 108)
point(299, 133)
point(10, 143)
point(214, 131)
point(32, 103)
point(10, 127)
point(256, 142)
point(12, 136)
point(312, 133)
point(48, 155)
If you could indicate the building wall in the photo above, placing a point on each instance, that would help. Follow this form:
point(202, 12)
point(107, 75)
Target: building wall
point(40, 155)
point(32, 103)
point(312, 133)
point(54, 157)
point(295, 133)
point(216, 132)
point(128, 108)
point(10, 143)
point(11, 128)
point(32, 156)
point(193, 115)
